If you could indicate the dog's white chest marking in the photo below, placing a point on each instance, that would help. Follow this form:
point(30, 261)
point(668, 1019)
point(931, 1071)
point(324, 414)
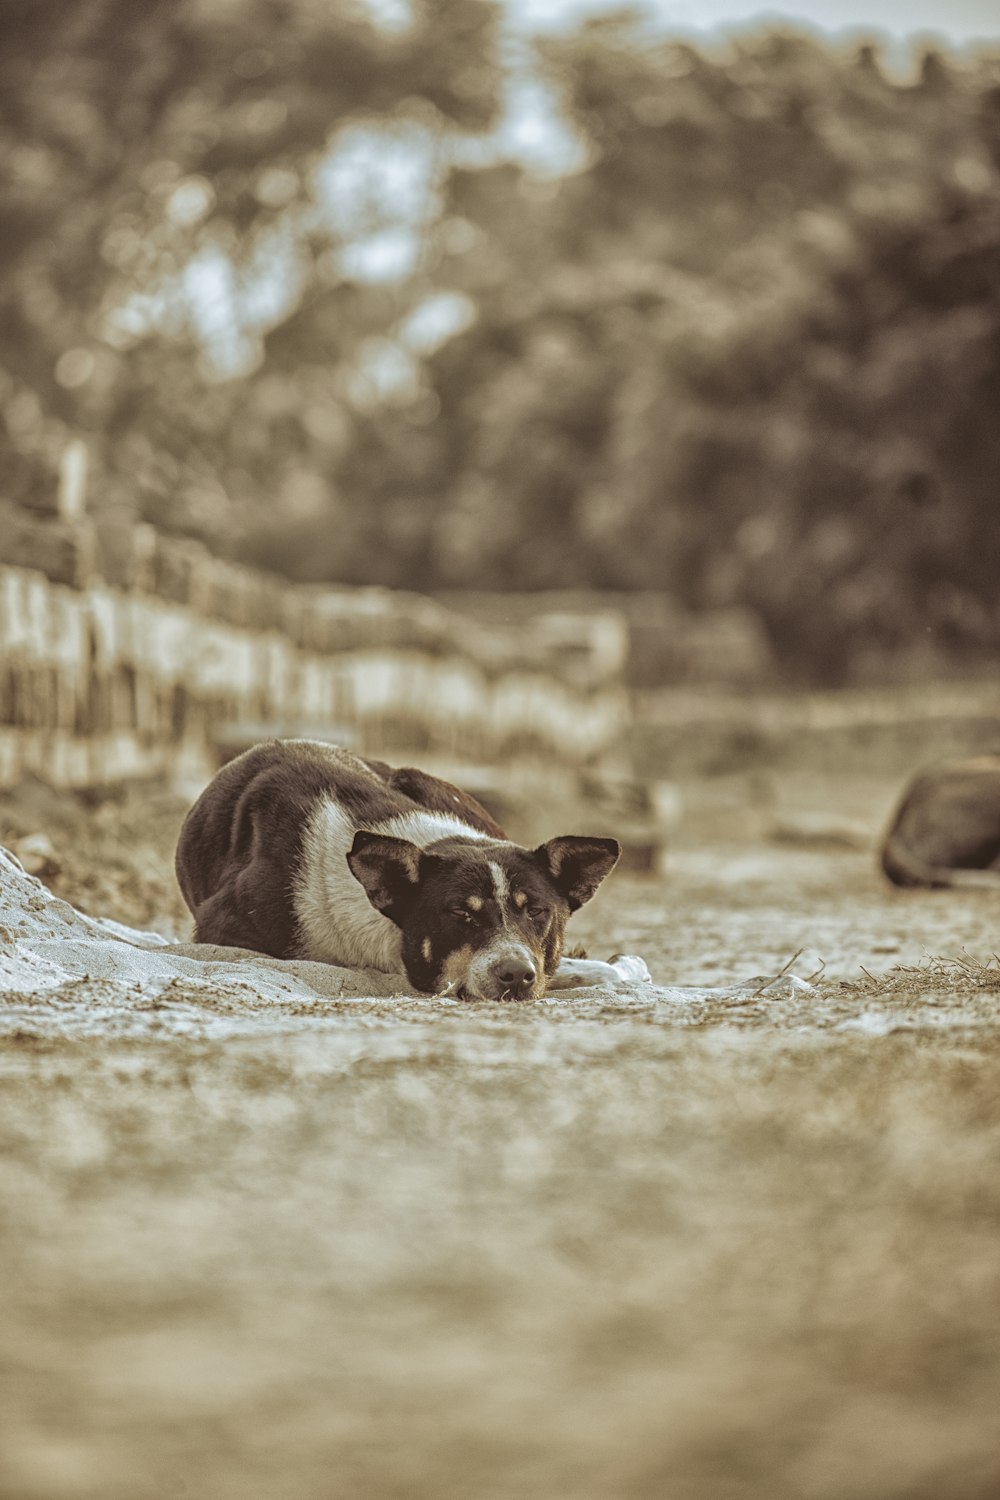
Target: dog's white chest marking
point(337, 921)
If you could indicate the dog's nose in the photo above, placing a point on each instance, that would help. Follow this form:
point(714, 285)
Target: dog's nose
point(515, 974)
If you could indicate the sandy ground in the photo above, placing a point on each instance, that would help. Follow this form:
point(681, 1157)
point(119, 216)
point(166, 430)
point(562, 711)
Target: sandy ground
point(721, 1250)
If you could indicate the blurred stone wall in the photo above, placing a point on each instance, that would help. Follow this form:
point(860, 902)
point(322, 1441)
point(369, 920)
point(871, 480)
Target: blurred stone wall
point(647, 633)
point(126, 653)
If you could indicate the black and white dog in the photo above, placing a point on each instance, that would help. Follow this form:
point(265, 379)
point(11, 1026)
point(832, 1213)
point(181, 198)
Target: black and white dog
point(301, 849)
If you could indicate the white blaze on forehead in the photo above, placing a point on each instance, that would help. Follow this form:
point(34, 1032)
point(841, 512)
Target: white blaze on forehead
point(425, 948)
point(501, 889)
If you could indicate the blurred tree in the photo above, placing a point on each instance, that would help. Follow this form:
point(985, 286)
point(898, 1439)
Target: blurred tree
point(748, 353)
point(158, 166)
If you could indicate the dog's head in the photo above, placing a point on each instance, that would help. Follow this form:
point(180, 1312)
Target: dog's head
point(479, 918)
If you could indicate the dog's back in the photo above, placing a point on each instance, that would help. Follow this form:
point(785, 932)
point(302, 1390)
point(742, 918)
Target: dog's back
point(946, 829)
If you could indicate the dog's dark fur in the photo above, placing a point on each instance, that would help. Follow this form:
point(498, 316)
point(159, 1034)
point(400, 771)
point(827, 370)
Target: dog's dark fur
point(946, 829)
point(301, 849)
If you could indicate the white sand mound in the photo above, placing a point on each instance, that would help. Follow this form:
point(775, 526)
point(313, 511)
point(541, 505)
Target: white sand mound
point(63, 972)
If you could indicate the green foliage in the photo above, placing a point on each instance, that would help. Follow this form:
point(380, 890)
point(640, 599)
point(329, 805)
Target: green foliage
point(748, 354)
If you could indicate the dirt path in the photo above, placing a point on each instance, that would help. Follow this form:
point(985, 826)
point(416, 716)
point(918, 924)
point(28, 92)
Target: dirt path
point(715, 1251)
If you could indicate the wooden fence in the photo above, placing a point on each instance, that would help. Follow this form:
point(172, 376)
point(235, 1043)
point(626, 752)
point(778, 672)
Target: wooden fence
point(128, 654)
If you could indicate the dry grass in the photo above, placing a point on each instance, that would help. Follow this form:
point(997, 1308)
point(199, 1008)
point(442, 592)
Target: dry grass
point(937, 974)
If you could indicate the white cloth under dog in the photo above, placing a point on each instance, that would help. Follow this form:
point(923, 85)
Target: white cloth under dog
point(65, 973)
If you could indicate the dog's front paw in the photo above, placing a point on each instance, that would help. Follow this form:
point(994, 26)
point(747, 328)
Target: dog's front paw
point(625, 968)
point(631, 968)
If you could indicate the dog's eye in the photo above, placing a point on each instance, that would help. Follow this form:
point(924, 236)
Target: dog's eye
point(463, 913)
point(537, 913)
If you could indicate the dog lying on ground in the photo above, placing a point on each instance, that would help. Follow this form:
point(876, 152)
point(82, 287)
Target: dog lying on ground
point(301, 849)
point(946, 829)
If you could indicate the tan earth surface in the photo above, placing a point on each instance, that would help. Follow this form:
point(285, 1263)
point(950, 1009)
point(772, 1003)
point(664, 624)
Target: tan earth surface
point(731, 1248)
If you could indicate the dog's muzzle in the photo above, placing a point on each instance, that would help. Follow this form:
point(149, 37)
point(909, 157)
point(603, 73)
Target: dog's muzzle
point(509, 973)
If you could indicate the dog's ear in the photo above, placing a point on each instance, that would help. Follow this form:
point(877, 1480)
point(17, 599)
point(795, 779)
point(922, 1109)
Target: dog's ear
point(576, 866)
point(388, 869)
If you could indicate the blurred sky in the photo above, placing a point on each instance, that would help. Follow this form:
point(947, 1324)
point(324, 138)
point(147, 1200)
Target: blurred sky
point(958, 20)
point(530, 132)
point(387, 176)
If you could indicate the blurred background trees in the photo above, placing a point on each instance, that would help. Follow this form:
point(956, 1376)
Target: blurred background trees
point(271, 259)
